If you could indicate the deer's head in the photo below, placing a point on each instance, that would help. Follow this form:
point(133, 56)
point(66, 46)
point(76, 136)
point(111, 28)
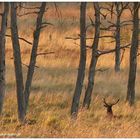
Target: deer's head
point(109, 107)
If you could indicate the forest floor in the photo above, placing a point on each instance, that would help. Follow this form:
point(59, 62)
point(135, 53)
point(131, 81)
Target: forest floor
point(54, 82)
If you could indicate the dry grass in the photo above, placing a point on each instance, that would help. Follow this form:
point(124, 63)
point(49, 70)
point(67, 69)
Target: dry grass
point(54, 82)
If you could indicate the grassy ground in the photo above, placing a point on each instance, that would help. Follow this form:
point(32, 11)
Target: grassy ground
point(54, 82)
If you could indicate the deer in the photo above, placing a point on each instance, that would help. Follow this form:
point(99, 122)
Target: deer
point(109, 108)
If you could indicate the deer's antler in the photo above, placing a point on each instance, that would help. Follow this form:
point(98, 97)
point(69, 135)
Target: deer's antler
point(109, 104)
point(105, 103)
point(115, 102)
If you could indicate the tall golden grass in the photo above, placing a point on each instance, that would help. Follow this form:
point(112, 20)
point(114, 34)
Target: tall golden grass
point(54, 82)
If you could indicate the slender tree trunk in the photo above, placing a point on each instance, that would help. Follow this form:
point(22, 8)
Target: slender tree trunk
point(117, 37)
point(33, 54)
point(2, 53)
point(133, 56)
point(82, 63)
point(17, 63)
point(94, 58)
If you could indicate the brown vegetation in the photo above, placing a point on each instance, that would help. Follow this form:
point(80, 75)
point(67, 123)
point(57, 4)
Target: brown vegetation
point(54, 82)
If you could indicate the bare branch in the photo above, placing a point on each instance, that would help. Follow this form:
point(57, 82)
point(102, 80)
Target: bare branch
point(123, 7)
point(58, 11)
point(28, 13)
point(99, 53)
point(122, 55)
point(23, 39)
point(28, 66)
point(113, 41)
point(108, 9)
point(47, 23)
point(108, 28)
point(103, 15)
point(72, 38)
point(113, 24)
point(24, 64)
point(46, 53)
point(107, 36)
point(76, 38)
point(29, 8)
point(131, 9)
point(92, 23)
point(126, 22)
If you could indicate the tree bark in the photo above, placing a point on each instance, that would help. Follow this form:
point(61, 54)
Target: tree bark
point(17, 64)
point(2, 53)
point(94, 58)
point(33, 54)
point(82, 63)
point(117, 38)
point(133, 56)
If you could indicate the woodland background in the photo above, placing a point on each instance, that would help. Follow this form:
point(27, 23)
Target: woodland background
point(55, 76)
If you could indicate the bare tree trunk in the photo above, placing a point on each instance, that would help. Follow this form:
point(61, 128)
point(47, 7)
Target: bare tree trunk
point(94, 58)
point(117, 37)
point(2, 53)
point(33, 54)
point(133, 56)
point(17, 63)
point(82, 63)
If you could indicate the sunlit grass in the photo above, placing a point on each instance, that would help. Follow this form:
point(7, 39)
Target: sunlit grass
point(54, 82)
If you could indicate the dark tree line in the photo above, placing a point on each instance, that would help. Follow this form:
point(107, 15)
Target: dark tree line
point(119, 8)
point(23, 93)
point(23, 90)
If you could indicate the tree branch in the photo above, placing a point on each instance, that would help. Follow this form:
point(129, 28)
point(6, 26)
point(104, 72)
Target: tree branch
point(107, 36)
point(25, 14)
point(28, 65)
point(25, 64)
point(76, 38)
point(99, 53)
point(46, 53)
point(92, 23)
point(108, 9)
point(122, 55)
point(45, 24)
point(30, 8)
point(126, 21)
point(23, 39)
